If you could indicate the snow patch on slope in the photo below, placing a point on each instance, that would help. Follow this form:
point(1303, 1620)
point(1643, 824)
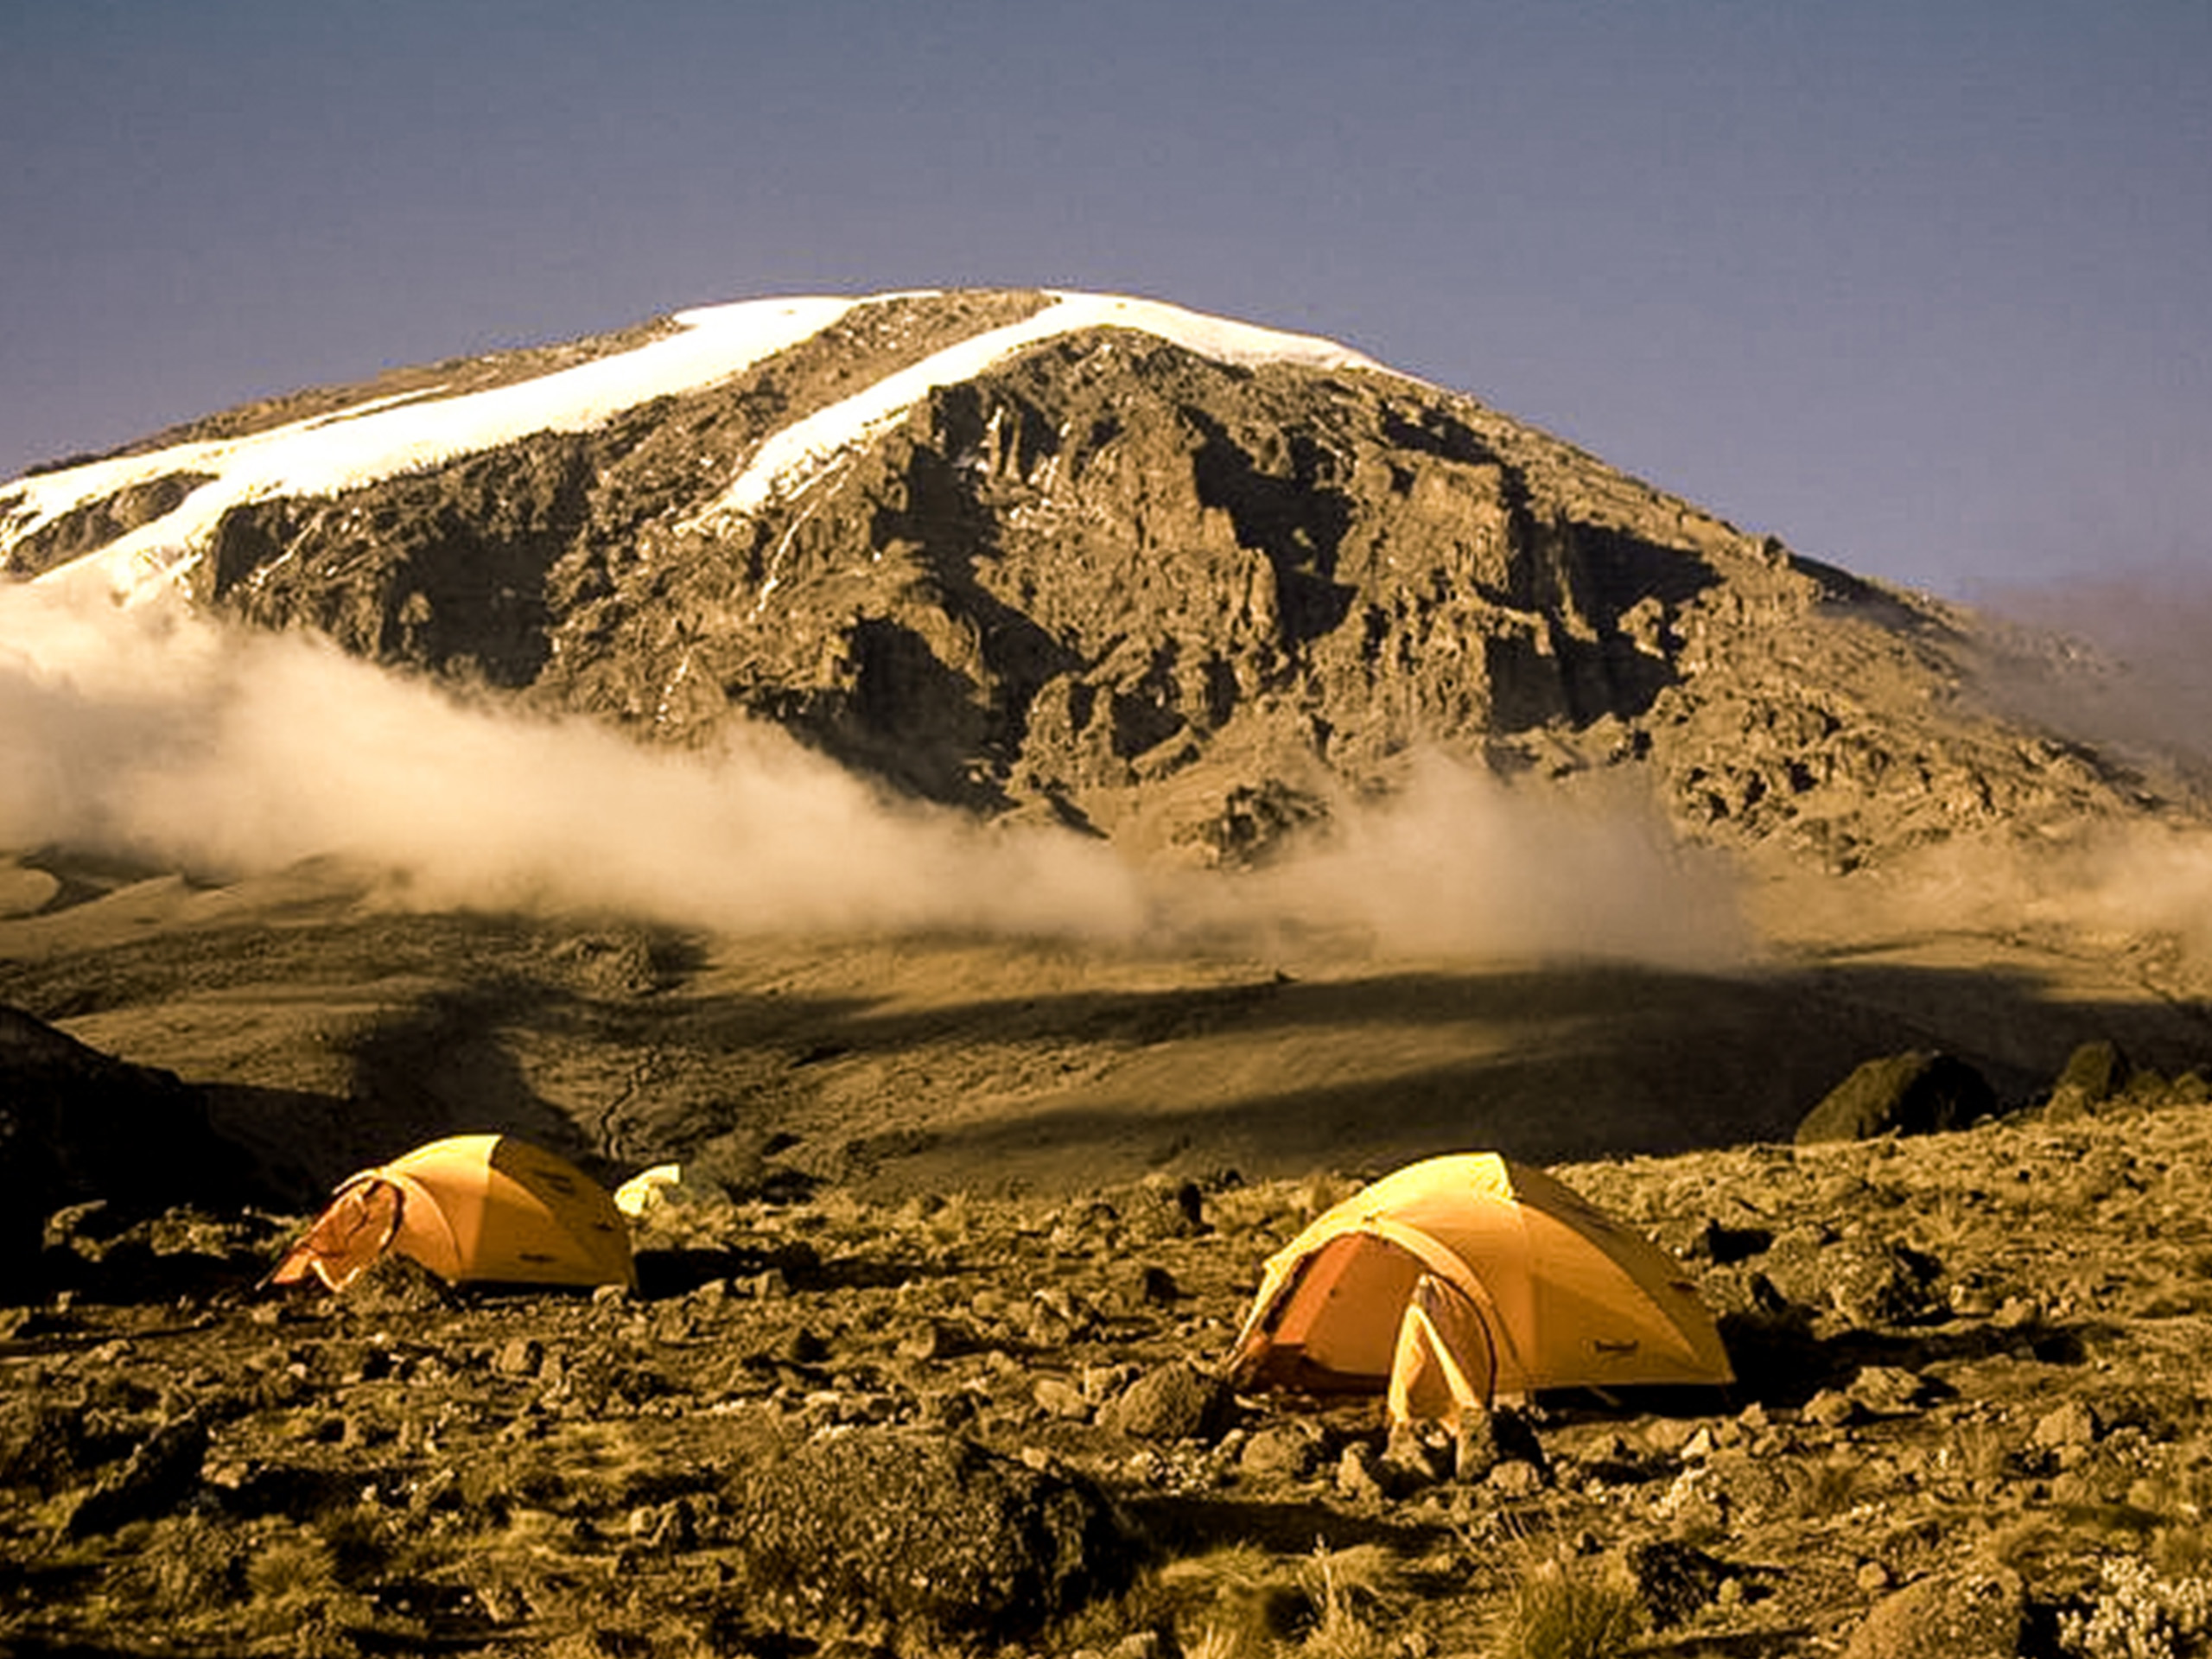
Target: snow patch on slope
point(388, 437)
point(384, 439)
point(789, 458)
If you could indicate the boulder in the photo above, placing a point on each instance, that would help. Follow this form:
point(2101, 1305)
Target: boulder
point(76, 1125)
point(1922, 1092)
point(925, 1532)
point(1966, 1616)
point(2096, 1073)
point(1673, 1580)
point(1176, 1401)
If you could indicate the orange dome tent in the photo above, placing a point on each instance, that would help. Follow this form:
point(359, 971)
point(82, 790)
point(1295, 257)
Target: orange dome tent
point(482, 1207)
point(1460, 1278)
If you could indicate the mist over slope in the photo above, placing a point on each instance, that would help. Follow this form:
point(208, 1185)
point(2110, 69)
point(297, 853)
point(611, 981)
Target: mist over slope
point(158, 733)
point(1180, 582)
point(1012, 611)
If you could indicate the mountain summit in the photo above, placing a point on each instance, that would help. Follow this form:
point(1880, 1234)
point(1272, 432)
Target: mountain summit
point(1183, 582)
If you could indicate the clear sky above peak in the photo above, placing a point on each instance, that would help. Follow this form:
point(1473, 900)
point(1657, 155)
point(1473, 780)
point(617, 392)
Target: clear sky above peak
point(1926, 290)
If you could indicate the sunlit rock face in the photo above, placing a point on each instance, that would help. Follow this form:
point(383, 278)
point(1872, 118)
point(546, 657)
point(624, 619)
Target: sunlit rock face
point(1184, 582)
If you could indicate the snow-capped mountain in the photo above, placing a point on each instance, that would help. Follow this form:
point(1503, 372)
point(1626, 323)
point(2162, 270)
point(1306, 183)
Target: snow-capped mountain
point(1180, 580)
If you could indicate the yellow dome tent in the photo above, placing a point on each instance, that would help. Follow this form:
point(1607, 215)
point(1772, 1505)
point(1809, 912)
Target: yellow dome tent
point(1461, 1278)
point(482, 1207)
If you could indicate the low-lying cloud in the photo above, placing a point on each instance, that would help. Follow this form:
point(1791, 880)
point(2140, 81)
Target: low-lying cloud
point(2123, 661)
point(156, 734)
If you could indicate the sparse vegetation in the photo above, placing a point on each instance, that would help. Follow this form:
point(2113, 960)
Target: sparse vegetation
point(2135, 1613)
point(539, 1474)
point(1563, 1607)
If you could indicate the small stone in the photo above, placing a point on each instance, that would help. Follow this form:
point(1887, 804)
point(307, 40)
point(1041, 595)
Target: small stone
point(1356, 1473)
point(1103, 1382)
point(1475, 1452)
point(1281, 1450)
point(520, 1357)
point(926, 1339)
point(1416, 1459)
point(2073, 1423)
point(1968, 1302)
point(1829, 1409)
point(1057, 1397)
point(1175, 1402)
point(1698, 1516)
point(1889, 1389)
point(1873, 1578)
point(1516, 1478)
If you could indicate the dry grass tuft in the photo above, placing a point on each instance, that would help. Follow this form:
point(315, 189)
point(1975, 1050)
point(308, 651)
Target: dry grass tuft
point(1236, 1602)
point(1240, 1602)
point(296, 1567)
point(187, 1565)
point(1568, 1607)
point(1828, 1487)
point(1348, 1589)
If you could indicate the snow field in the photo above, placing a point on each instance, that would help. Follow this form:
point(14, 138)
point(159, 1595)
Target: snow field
point(787, 460)
point(387, 437)
point(332, 453)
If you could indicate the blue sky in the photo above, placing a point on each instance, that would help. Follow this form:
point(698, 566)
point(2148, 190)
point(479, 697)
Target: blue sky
point(1924, 288)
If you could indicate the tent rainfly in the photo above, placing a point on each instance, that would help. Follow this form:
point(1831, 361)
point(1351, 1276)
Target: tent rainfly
point(1461, 1278)
point(472, 1207)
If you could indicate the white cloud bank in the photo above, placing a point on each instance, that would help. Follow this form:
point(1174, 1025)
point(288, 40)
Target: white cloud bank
point(154, 733)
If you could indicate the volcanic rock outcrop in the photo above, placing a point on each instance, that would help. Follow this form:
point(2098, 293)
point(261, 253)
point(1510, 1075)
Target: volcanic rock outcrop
point(77, 1127)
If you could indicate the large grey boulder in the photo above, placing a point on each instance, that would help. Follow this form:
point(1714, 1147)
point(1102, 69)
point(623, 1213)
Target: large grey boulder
point(1922, 1092)
point(930, 1534)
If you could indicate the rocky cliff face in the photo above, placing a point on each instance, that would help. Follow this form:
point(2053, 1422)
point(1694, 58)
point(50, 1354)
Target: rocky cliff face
point(1184, 595)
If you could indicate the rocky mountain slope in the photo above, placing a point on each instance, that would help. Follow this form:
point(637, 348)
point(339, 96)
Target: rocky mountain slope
point(1184, 582)
point(1071, 562)
point(925, 1371)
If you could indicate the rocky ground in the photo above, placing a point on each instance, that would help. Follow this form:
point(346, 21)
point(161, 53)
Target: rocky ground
point(1972, 1417)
